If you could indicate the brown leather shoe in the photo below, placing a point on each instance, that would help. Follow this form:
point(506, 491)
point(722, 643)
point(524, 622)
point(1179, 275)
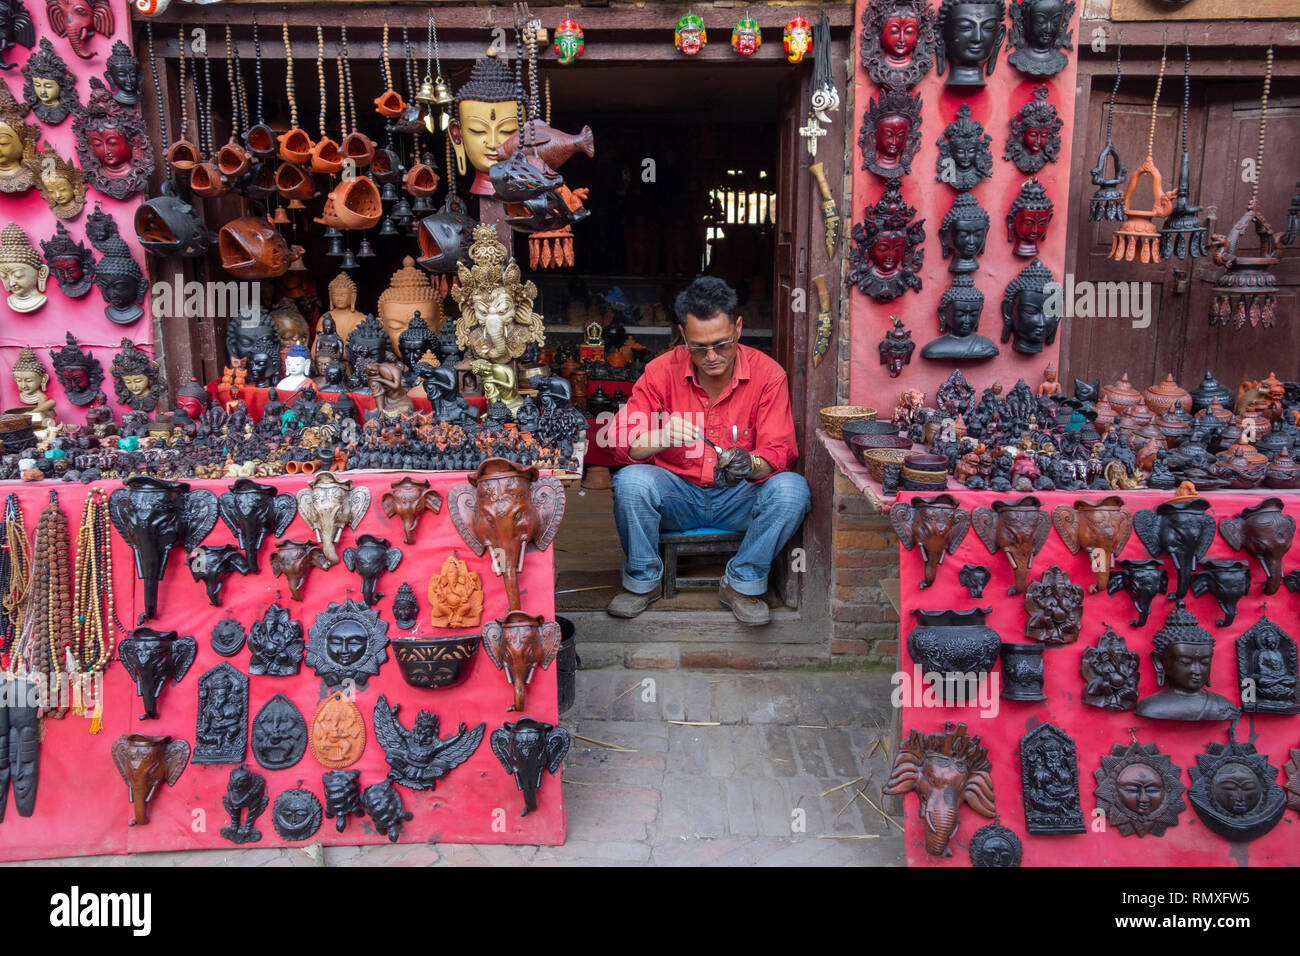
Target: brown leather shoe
point(752, 611)
point(630, 604)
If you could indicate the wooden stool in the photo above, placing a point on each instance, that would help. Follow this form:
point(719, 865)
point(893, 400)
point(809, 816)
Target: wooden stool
point(694, 541)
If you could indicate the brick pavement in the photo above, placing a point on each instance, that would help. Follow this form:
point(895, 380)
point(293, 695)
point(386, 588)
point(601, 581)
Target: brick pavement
point(743, 791)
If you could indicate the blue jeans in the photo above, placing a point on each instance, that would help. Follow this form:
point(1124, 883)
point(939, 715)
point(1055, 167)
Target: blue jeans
point(649, 499)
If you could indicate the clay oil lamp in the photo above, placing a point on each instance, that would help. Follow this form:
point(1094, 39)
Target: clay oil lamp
point(326, 157)
point(359, 148)
point(252, 248)
point(421, 180)
point(295, 146)
point(233, 160)
point(206, 181)
point(1166, 395)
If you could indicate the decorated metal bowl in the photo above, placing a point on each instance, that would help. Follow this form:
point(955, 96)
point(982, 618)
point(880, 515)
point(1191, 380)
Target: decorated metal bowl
point(435, 662)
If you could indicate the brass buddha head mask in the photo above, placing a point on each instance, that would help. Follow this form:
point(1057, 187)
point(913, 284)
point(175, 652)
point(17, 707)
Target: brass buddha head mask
point(485, 114)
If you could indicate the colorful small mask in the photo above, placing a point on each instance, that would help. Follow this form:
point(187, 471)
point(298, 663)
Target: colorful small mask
point(746, 37)
point(569, 42)
point(689, 35)
point(796, 39)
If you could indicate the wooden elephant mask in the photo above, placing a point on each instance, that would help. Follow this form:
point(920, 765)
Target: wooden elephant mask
point(409, 499)
point(935, 525)
point(1017, 528)
point(1102, 529)
point(1180, 527)
point(506, 508)
point(328, 505)
point(517, 644)
point(144, 762)
point(945, 769)
point(292, 559)
point(1263, 532)
point(369, 559)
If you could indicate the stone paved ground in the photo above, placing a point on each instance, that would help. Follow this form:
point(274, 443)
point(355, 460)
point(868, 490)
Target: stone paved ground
point(745, 790)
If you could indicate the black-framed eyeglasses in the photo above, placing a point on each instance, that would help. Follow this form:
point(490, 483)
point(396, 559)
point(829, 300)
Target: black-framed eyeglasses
point(718, 347)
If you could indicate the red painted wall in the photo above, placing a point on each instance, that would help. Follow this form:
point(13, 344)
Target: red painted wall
point(84, 317)
point(993, 106)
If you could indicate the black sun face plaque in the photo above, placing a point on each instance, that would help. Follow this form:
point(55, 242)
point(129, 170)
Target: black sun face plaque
point(1140, 790)
point(296, 814)
point(347, 642)
point(1235, 791)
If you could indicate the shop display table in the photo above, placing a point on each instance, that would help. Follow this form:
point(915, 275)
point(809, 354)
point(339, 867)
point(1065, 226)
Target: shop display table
point(82, 807)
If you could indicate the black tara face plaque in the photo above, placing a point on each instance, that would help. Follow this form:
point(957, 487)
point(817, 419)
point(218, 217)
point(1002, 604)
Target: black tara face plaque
point(347, 642)
point(275, 644)
point(1110, 673)
point(384, 804)
point(221, 731)
point(1049, 774)
point(1040, 36)
point(279, 735)
point(228, 637)
point(964, 154)
point(888, 247)
point(1267, 670)
point(296, 814)
point(993, 845)
point(342, 796)
point(1140, 790)
point(244, 801)
point(416, 757)
point(1235, 791)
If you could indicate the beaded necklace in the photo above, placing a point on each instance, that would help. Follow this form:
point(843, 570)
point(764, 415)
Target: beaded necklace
point(92, 643)
point(15, 567)
point(46, 639)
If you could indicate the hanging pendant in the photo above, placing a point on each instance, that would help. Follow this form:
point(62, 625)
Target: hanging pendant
point(1138, 238)
point(1246, 290)
point(1108, 201)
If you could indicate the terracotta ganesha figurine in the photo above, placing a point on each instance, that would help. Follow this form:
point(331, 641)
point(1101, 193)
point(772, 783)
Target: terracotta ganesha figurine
point(455, 595)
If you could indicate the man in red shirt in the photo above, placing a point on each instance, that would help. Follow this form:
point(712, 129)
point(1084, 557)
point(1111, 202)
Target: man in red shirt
point(708, 437)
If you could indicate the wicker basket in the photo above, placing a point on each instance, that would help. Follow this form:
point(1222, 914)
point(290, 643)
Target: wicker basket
point(835, 416)
point(876, 459)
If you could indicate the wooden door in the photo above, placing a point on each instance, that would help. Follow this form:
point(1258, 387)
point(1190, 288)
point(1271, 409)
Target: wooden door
point(1222, 129)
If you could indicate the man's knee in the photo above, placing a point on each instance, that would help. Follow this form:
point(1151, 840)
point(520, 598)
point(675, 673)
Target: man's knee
point(788, 492)
point(636, 484)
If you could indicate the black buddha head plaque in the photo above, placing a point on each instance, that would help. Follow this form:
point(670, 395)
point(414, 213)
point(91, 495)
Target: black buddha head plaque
point(1040, 36)
point(1031, 309)
point(969, 35)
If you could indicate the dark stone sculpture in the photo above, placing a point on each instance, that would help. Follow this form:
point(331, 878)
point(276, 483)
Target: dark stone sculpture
point(526, 748)
point(347, 642)
point(279, 734)
point(1264, 532)
point(292, 559)
point(384, 804)
point(1027, 309)
point(144, 762)
point(244, 801)
point(504, 509)
point(275, 644)
point(1040, 36)
point(1140, 790)
point(152, 658)
point(1181, 528)
point(1110, 673)
point(945, 769)
point(1227, 581)
point(1267, 670)
point(963, 233)
point(1035, 137)
point(898, 42)
point(1235, 791)
point(1022, 672)
point(518, 644)
point(20, 744)
point(405, 607)
point(228, 637)
point(1101, 528)
point(152, 516)
point(252, 511)
point(936, 525)
point(891, 133)
point(960, 309)
point(1142, 580)
point(296, 814)
point(221, 731)
point(72, 265)
point(409, 499)
point(1018, 529)
point(954, 642)
point(969, 35)
point(369, 558)
point(212, 564)
point(79, 373)
point(1049, 775)
point(1181, 652)
point(994, 845)
point(888, 247)
point(417, 757)
point(964, 154)
point(895, 348)
point(249, 334)
point(974, 578)
point(342, 796)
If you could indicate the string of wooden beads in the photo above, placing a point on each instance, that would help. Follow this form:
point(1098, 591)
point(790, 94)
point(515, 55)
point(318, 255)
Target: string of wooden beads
point(157, 87)
point(320, 74)
point(205, 127)
point(288, 69)
point(386, 68)
point(257, 61)
point(47, 632)
point(95, 607)
point(347, 73)
point(1263, 123)
point(15, 568)
point(185, 109)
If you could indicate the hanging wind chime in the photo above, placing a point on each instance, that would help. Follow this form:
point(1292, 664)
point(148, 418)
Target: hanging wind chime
point(1183, 233)
point(1108, 201)
point(435, 92)
point(1245, 291)
point(1139, 238)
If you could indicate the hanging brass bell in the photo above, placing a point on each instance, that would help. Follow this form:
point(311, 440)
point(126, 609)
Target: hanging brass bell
point(335, 249)
point(387, 228)
point(442, 92)
point(426, 93)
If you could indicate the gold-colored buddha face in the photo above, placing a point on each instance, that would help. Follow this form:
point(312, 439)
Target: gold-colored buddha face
point(59, 190)
point(136, 384)
point(481, 132)
point(31, 385)
point(11, 147)
point(46, 90)
point(21, 280)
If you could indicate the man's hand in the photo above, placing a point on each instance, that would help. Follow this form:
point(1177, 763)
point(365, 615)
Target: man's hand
point(676, 433)
point(736, 469)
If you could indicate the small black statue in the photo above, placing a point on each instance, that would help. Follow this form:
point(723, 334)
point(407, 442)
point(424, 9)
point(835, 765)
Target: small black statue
point(221, 733)
point(342, 796)
point(296, 814)
point(417, 757)
point(244, 800)
point(275, 644)
point(279, 734)
point(384, 804)
point(1049, 773)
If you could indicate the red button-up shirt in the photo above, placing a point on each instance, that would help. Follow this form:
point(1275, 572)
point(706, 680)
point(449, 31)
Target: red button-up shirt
point(756, 401)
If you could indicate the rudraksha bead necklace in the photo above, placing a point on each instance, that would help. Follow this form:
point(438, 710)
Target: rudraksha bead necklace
point(96, 611)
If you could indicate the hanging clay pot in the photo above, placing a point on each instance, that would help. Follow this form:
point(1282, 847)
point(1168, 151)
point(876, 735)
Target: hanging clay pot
point(326, 157)
point(262, 183)
point(233, 160)
point(390, 104)
point(261, 141)
point(385, 167)
point(359, 148)
point(252, 248)
point(206, 181)
point(329, 216)
point(183, 156)
point(357, 203)
point(295, 146)
point(421, 180)
point(294, 182)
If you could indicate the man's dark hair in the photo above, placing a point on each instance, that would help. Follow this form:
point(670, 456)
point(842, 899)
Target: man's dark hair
point(704, 298)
